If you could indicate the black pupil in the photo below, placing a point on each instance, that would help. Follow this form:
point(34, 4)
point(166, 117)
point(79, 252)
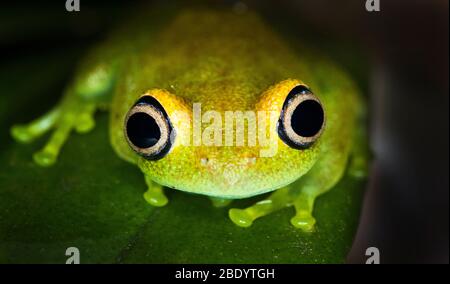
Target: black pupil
point(142, 130)
point(307, 118)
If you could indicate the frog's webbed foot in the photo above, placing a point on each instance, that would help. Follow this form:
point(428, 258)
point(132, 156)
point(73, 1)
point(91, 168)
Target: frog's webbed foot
point(244, 217)
point(62, 119)
point(284, 197)
point(155, 195)
point(220, 202)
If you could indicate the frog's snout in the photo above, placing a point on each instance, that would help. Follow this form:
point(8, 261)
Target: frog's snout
point(214, 163)
point(227, 173)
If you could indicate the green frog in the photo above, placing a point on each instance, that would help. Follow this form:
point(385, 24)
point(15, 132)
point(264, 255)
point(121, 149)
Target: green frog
point(168, 84)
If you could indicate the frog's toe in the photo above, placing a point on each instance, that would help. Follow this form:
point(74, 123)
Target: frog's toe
point(85, 122)
point(155, 199)
point(44, 158)
point(155, 194)
point(26, 133)
point(240, 217)
point(85, 126)
point(304, 222)
point(21, 134)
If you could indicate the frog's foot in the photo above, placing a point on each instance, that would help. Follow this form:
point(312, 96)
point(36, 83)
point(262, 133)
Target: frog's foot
point(155, 195)
point(359, 167)
point(62, 119)
point(277, 200)
point(220, 202)
point(303, 218)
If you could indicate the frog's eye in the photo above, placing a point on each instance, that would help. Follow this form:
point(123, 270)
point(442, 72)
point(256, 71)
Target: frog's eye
point(302, 118)
point(148, 129)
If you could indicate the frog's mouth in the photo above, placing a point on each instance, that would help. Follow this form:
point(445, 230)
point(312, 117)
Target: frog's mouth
point(225, 177)
point(231, 187)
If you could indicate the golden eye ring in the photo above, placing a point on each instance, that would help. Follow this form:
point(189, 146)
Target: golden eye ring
point(148, 129)
point(302, 118)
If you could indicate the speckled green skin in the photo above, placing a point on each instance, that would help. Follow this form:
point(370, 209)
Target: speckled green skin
point(225, 61)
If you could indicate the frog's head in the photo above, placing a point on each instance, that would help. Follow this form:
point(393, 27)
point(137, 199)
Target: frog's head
point(184, 146)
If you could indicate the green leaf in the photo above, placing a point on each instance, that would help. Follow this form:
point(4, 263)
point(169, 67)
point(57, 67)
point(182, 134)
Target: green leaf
point(92, 200)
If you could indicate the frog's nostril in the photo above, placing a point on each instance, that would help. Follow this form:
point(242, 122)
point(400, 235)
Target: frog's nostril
point(204, 161)
point(252, 160)
point(217, 164)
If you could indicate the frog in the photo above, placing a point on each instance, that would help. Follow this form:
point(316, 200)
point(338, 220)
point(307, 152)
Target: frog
point(151, 71)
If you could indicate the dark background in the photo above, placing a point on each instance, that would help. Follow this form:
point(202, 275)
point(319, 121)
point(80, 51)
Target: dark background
point(399, 56)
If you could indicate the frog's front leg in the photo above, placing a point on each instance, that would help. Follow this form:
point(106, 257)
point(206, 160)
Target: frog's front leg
point(304, 205)
point(325, 173)
point(74, 112)
point(63, 118)
point(302, 193)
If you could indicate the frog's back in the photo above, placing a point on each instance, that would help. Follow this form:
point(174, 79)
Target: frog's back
point(219, 58)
